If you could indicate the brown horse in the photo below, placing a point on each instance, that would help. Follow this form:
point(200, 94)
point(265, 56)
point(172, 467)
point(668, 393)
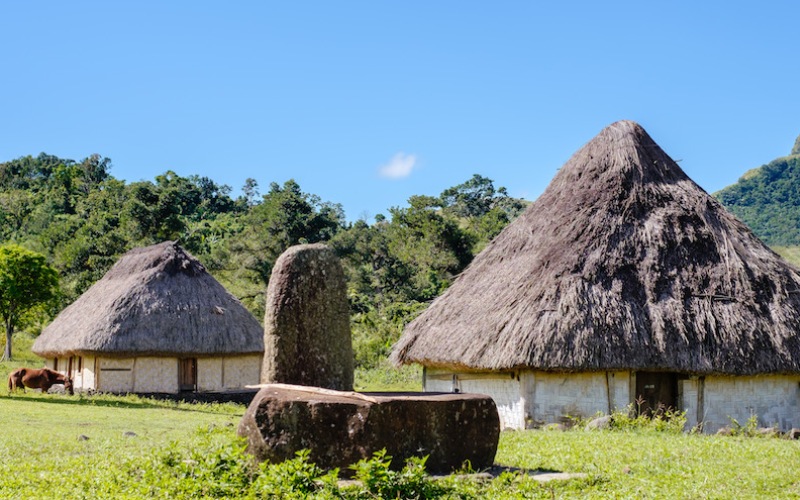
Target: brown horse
point(41, 378)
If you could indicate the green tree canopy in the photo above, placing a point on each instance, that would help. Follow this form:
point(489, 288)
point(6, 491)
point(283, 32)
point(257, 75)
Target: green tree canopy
point(767, 199)
point(26, 282)
point(285, 216)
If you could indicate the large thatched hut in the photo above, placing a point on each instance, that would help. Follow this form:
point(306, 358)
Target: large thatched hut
point(623, 281)
point(157, 322)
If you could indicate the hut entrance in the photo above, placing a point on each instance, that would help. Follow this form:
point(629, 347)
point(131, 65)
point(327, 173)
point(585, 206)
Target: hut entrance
point(187, 374)
point(656, 392)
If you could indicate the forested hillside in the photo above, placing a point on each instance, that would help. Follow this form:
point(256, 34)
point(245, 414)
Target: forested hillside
point(82, 219)
point(768, 200)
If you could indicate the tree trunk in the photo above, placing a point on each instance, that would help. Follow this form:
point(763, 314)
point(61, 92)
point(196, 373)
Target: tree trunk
point(9, 332)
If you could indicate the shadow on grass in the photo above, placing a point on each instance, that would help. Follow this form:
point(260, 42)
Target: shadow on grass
point(497, 470)
point(105, 401)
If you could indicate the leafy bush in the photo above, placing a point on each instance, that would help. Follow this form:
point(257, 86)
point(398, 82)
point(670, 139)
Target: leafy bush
point(379, 480)
point(386, 378)
point(748, 429)
point(296, 478)
point(216, 467)
point(663, 420)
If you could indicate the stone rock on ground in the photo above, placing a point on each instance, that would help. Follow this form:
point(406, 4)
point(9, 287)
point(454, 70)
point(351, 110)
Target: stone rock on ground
point(307, 337)
point(599, 423)
point(341, 428)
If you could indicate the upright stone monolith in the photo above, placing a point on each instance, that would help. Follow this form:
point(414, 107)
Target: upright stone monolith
point(307, 323)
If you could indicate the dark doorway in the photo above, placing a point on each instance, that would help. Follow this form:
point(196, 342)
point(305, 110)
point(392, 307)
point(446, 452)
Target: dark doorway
point(187, 374)
point(656, 392)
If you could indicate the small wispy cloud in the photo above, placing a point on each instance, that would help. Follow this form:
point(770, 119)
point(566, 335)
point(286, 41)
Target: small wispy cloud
point(399, 166)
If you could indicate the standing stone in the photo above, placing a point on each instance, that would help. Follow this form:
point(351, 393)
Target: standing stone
point(307, 324)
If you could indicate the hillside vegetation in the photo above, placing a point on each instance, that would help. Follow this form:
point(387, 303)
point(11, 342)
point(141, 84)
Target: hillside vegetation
point(767, 199)
point(82, 219)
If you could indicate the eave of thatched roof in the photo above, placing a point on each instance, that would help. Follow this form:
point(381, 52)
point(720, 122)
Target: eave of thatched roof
point(156, 301)
point(622, 263)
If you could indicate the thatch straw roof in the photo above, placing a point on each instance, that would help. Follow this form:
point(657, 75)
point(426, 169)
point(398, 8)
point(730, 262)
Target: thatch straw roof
point(155, 301)
point(622, 263)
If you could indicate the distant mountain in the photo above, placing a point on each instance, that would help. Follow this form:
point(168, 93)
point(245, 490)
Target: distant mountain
point(767, 199)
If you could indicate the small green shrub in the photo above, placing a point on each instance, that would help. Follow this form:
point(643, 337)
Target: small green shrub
point(748, 429)
point(386, 377)
point(663, 420)
point(380, 481)
point(217, 466)
point(296, 478)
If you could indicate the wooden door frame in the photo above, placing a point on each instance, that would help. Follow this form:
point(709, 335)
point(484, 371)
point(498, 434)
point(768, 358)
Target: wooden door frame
point(664, 385)
point(191, 384)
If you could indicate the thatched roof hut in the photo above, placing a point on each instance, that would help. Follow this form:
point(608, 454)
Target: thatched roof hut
point(623, 263)
point(155, 301)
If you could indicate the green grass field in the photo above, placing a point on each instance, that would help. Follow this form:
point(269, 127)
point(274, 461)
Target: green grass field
point(791, 254)
point(187, 451)
point(106, 446)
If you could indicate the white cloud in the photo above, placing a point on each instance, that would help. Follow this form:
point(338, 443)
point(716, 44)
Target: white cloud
point(399, 166)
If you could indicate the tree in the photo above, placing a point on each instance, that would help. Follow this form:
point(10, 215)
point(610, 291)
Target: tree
point(285, 216)
point(473, 198)
point(481, 207)
point(26, 281)
point(430, 247)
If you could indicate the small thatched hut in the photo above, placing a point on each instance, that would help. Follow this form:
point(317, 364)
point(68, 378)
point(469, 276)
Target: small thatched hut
point(623, 281)
point(157, 322)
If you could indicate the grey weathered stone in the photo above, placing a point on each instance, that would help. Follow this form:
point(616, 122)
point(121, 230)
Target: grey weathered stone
point(341, 428)
point(599, 423)
point(768, 431)
point(307, 323)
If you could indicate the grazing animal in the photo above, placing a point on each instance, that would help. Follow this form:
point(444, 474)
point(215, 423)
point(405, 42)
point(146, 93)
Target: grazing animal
point(37, 378)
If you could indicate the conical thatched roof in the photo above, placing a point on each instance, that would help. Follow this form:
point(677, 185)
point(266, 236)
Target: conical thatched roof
point(622, 263)
point(155, 301)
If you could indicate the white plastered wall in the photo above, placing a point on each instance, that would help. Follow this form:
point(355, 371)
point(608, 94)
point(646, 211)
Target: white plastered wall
point(89, 373)
point(228, 373)
point(209, 374)
point(160, 374)
point(504, 388)
point(530, 398)
point(155, 374)
point(555, 397)
point(715, 400)
point(83, 379)
point(115, 375)
point(240, 371)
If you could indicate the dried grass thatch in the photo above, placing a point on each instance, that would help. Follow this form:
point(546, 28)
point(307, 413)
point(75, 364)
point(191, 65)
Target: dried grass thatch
point(622, 263)
point(155, 301)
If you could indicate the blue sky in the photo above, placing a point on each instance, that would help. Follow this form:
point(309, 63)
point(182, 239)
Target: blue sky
point(366, 103)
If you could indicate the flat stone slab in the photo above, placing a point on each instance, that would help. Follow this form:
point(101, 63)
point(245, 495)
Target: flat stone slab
point(340, 428)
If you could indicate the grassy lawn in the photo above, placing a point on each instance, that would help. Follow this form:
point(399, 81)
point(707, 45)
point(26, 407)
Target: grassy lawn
point(129, 447)
point(649, 464)
point(45, 448)
point(791, 254)
point(44, 454)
